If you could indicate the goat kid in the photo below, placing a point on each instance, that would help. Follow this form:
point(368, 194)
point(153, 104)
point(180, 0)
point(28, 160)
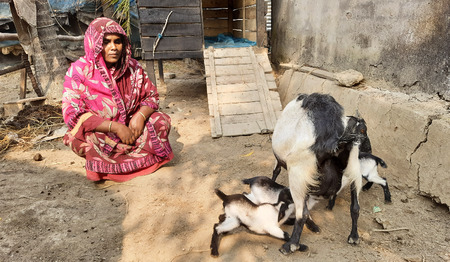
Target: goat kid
point(311, 130)
point(369, 171)
point(264, 218)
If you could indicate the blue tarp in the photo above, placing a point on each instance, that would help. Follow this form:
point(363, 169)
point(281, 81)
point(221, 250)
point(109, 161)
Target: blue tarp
point(5, 13)
point(226, 41)
point(64, 6)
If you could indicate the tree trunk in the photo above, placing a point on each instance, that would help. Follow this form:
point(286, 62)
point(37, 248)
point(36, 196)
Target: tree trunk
point(41, 43)
point(48, 56)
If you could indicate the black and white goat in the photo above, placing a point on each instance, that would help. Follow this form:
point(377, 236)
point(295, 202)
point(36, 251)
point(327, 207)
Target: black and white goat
point(264, 218)
point(311, 131)
point(265, 190)
point(369, 171)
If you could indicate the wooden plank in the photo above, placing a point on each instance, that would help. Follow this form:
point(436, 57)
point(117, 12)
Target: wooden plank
point(238, 97)
point(216, 23)
point(12, 69)
point(216, 129)
point(240, 3)
point(227, 70)
point(215, 13)
point(272, 85)
point(168, 3)
point(241, 129)
point(224, 80)
point(194, 29)
point(240, 87)
point(235, 119)
point(264, 62)
point(240, 109)
point(215, 32)
point(250, 24)
point(190, 43)
point(276, 102)
point(248, 13)
point(263, 88)
point(172, 55)
point(235, 61)
point(214, 3)
point(159, 15)
point(225, 52)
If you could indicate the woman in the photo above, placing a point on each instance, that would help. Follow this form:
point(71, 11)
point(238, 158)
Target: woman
point(110, 107)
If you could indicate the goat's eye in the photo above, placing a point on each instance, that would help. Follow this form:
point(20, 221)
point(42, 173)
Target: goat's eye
point(363, 131)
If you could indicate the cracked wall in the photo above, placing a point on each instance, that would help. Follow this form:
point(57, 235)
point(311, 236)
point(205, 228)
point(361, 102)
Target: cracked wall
point(403, 42)
point(411, 135)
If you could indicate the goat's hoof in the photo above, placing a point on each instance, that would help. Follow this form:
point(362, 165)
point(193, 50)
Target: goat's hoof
point(353, 240)
point(312, 226)
point(214, 253)
point(287, 248)
point(303, 248)
point(388, 201)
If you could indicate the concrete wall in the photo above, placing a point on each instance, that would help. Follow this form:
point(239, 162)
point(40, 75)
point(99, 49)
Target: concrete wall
point(410, 132)
point(404, 42)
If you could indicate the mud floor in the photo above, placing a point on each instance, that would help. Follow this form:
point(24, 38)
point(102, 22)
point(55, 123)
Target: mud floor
point(49, 211)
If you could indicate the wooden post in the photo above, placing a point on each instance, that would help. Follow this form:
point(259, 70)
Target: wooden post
point(150, 65)
point(23, 84)
point(161, 71)
point(243, 19)
point(230, 17)
point(260, 23)
point(34, 83)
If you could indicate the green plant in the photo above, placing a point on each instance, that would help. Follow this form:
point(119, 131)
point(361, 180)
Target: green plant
point(122, 12)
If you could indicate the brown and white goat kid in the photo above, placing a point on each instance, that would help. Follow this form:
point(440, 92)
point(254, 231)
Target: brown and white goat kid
point(311, 130)
point(262, 218)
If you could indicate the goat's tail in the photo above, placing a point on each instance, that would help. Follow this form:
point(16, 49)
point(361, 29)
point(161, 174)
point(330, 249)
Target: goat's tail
point(380, 162)
point(249, 181)
point(220, 194)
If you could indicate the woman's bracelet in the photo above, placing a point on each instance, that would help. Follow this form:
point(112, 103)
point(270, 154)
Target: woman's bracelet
point(145, 118)
point(110, 123)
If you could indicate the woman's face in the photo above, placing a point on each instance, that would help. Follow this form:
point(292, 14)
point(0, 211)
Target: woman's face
point(112, 48)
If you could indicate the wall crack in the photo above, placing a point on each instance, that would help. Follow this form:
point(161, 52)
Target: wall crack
point(425, 130)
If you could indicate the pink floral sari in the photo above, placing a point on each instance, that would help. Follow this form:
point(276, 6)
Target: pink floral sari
point(93, 93)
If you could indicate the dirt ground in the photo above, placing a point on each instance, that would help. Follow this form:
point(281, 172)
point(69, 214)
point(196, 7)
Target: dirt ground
point(49, 211)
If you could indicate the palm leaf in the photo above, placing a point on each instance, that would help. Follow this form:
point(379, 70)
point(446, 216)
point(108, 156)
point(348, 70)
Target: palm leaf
point(122, 13)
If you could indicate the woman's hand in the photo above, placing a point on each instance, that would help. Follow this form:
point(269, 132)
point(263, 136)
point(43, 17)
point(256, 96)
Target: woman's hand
point(123, 132)
point(137, 124)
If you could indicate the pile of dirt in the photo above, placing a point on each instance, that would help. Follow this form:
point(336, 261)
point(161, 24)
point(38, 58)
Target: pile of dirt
point(28, 124)
point(36, 116)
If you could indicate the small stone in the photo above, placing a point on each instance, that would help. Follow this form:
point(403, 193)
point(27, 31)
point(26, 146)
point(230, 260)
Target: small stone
point(38, 157)
point(349, 77)
point(169, 75)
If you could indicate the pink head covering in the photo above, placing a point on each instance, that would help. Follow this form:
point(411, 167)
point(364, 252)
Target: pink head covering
point(93, 41)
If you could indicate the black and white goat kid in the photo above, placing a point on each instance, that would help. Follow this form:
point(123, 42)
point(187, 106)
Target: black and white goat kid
point(310, 132)
point(369, 171)
point(263, 218)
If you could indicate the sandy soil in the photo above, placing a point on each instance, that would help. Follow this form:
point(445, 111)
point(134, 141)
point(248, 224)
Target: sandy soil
point(49, 211)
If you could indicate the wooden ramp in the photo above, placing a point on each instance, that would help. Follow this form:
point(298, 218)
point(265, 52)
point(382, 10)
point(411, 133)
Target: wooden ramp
point(242, 96)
